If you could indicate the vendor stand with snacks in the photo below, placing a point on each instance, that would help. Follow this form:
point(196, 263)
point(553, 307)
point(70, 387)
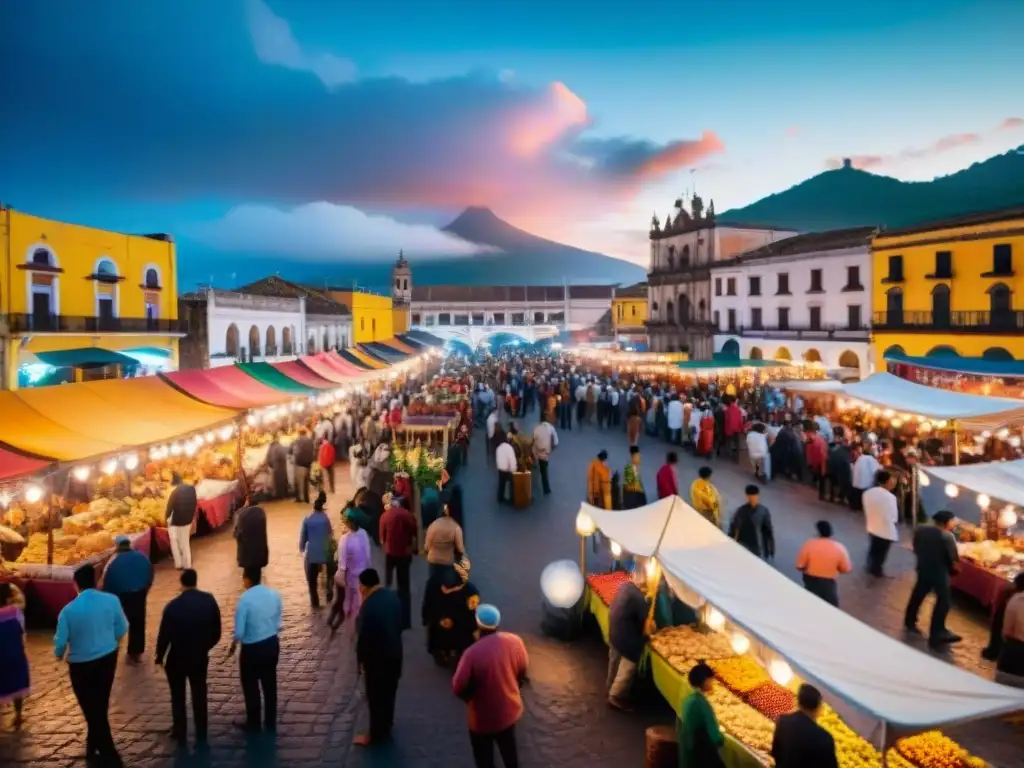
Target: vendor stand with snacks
point(986, 499)
point(873, 684)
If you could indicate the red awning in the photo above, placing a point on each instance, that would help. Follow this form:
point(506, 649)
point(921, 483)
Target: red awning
point(228, 387)
point(339, 363)
point(13, 464)
point(325, 370)
point(304, 375)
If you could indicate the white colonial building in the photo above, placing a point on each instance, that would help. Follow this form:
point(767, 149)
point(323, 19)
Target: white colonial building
point(267, 321)
point(683, 251)
point(806, 297)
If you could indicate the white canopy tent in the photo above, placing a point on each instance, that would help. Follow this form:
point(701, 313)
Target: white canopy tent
point(811, 386)
point(906, 690)
point(1001, 481)
point(887, 391)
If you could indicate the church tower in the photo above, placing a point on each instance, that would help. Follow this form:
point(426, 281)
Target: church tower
point(401, 294)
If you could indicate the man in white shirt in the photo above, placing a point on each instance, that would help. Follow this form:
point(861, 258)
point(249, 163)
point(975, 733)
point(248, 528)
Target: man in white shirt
point(757, 449)
point(505, 459)
point(881, 514)
point(545, 440)
point(865, 468)
point(492, 422)
point(674, 417)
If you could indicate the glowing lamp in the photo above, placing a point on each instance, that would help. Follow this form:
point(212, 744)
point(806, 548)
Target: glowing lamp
point(33, 494)
point(780, 671)
point(1003, 433)
point(209, 437)
point(714, 618)
point(889, 413)
point(952, 491)
point(176, 449)
point(923, 479)
point(190, 449)
point(5, 499)
point(925, 426)
point(131, 461)
point(1014, 441)
point(897, 423)
point(585, 524)
point(740, 643)
point(652, 568)
point(250, 420)
point(81, 474)
point(109, 466)
point(226, 432)
point(983, 500)
point(1008, 516)
point(986, 434)
point(941, 423)
point(616, 549)
point(562, 583)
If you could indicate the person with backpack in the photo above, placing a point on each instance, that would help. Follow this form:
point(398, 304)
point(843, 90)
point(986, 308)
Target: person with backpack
point(751, 526)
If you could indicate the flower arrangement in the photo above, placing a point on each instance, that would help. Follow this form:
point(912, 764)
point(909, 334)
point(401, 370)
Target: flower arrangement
point(425, 468)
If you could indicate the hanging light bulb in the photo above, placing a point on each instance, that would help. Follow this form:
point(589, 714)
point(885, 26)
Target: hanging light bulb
point(889, 413)
point(585, 524)
point(226, 432)
point(1014, 441)
point(983, 500)
point(33, 494)
point(191, 449)
point(740, 643)
point(131, 461)
point(1003, 433)
point(780, 671)
point(250, 420)
point(941, 424)
point(176, 449)
point(952, 491)
point(925, 427)
point(923, 480)
point(5, 498)
point(652, 568)
point(897, 423)
point(616, 549)
point(1008, 516)
point(986, 434)
point(715, 618)
point(81, 473)
point(209, 437)
point(109, 467)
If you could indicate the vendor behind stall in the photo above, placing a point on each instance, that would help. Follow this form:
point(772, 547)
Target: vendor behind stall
point(627, 629)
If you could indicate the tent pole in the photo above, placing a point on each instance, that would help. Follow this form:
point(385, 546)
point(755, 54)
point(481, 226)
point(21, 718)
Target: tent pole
point(956, 444)
point(913, 495)
point(664, 528)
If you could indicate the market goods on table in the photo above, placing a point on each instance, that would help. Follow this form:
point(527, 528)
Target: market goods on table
point(1004, 557)
point(606, 585)
point(747, 703)
point(10, 536)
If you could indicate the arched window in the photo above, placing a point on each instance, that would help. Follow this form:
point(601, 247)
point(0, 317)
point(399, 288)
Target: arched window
point(812, 356)
point(671, 257)
point(670, 311)
point(756, 353)
point(943, 350)
point(894, 307)
point(286, 341)
point(271, 347)
point(702, 309)
point(254, 342)
point(684, 309)
point(42, 288)
point(231, 342)
point(152, 278)
point(684, 259)
point(849, 359)
point(105, 289)
point(940, 306)
point(783, 354)
point(997, 353)
point(731, 348)
point(43, 257)
point(311, 343)
point(405, 284)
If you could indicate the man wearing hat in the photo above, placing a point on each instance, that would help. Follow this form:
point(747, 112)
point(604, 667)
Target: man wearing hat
point(128, 576)
point(489, 677)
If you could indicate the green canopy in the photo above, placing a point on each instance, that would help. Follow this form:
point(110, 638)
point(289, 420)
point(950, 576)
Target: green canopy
point(85, 357)
point(726, 363)
point(267, 374)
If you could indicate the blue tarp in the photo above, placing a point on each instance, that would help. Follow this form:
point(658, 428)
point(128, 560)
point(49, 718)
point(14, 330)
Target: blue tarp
point(85, 357)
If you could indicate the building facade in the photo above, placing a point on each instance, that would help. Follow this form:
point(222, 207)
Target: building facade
point(328, 322)
point(804, 298)
point(372, 314)
point(679, 281)
point(222, 328)
point(628, 316)
point(401, 295)
point(951, 288)
point(80, 296)
point(570, 308)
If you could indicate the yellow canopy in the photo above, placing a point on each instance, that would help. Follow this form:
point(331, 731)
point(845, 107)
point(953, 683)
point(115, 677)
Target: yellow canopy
point(26, 429)
point(396, 343)
point(78, 421)
point(365, 358)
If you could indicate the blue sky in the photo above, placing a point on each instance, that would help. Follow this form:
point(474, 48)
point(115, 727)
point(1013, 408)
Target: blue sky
point(305, 129)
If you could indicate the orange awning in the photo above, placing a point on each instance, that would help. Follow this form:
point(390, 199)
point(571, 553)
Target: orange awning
point(365, 359)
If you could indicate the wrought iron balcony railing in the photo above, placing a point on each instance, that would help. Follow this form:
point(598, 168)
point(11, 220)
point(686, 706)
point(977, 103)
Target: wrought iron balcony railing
point(38, 323)
point(971, 321)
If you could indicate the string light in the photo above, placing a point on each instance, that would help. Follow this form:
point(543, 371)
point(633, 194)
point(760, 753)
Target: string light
point(616, 549)
point(952, 491)
point(131, 461)
point(5, 498)
point(176, 449)
point(109, 467)
point(585, 524)
point(33, 494)
point(1003, 433)
point(714, 619)
point(1008, 516)
point(983, 500)
point(740, 643)
point(81, 473)
point(923, 480)
point(780, 671)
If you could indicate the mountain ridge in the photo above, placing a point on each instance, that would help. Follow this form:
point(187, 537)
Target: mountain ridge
point(848, 197)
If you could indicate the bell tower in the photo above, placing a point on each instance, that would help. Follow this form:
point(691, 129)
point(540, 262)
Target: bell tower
point(401, 293)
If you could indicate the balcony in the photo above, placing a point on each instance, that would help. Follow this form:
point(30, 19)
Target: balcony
point(972, 321)
point(825, 332)
point(25, 324)
point(670, 275)
point(695, 326)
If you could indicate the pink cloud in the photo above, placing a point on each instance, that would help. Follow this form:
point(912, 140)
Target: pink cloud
point(793, 130)
point(1011, 124)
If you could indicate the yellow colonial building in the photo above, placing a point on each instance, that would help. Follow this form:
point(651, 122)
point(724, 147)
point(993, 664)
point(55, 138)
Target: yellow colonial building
point(372, 315)
point(629, 309)
point(78, 302)
point(950, 289)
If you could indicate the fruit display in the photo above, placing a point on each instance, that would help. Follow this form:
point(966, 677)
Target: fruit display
point(68, 549)
point(682, 647)
point(741, 721)
point(740, 674)
point(10, 536)
point(606, 585)
point(933, 750)
point(771, 700)
point(852, 751)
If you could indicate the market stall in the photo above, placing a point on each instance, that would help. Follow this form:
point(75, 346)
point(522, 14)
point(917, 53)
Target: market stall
point(986, 499)
point(972, 375)
point(767, 632)
point(228, 386)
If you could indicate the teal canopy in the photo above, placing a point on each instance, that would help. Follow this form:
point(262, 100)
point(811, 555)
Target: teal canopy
point(84, 357)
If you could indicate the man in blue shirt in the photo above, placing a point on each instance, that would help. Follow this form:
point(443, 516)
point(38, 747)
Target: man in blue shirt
point(89, 629)
point(257, 624)
point(316, 543)
point(128, 576)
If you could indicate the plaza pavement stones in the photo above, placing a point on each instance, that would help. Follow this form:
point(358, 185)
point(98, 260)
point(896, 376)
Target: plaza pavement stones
point(567, 721)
